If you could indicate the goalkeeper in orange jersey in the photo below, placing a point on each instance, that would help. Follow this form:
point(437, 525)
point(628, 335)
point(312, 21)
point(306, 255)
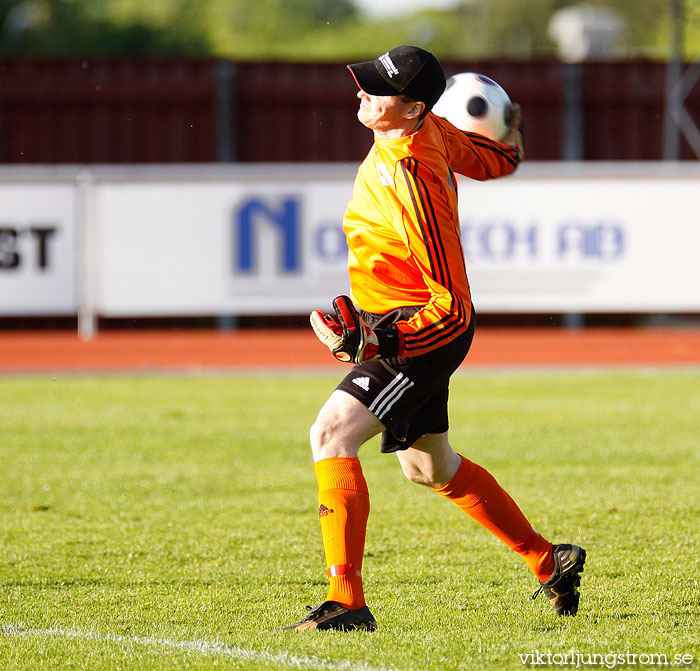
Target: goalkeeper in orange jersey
point(413, 329)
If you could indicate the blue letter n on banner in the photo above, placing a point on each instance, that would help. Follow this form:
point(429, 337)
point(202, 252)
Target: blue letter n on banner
point(285, 221)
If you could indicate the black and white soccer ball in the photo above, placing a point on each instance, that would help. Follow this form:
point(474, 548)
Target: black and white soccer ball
point(475, 103)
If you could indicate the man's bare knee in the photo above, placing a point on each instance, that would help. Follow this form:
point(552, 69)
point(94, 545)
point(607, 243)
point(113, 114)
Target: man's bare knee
point(430, 461)
point(325, 429)
point(342, 426)
point(420, 475)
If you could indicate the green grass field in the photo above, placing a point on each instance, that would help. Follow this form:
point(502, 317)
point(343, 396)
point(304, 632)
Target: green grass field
point(167, 523)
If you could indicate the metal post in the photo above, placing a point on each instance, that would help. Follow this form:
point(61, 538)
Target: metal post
point(225, 116)
point(225, 140)
point(572, 143)
point(674, 72)
point(572, 126)
point(86, 271)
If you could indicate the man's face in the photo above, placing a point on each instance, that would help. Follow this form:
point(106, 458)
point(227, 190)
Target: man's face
point(382, 113)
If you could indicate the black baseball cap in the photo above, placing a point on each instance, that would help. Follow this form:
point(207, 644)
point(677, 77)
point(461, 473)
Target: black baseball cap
point(405, 70)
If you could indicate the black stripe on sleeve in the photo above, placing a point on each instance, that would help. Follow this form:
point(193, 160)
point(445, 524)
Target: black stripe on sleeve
point(513, 160)
point(419, 218)
point(442, 331)
point(449, 326)
point(433, 241)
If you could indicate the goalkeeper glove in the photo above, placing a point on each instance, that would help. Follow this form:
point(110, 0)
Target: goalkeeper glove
point(346, 334)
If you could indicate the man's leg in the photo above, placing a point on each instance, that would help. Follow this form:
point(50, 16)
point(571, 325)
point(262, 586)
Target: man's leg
point(342, 426)
point(432, 462)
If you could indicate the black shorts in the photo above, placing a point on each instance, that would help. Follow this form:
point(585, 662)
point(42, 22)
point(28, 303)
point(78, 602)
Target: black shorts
point(408, 395)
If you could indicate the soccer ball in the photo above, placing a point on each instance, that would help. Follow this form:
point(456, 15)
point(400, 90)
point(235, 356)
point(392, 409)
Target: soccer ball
point(477, 104)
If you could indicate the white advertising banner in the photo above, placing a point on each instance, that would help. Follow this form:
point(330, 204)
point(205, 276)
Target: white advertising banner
point(242, 240)
point(37, 248)
point(583, 245)
point(533, 243)
point(208, 248)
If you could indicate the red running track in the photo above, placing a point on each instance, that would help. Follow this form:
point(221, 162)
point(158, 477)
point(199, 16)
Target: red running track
point(299, 350)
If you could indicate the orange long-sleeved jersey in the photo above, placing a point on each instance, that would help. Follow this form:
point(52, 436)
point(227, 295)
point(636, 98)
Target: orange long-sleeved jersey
point(402, 227)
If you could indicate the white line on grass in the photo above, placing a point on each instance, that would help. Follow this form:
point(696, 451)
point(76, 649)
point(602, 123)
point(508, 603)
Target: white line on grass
point(203, 647)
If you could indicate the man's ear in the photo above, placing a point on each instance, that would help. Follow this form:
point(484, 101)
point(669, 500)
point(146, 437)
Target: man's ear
point(417, 108)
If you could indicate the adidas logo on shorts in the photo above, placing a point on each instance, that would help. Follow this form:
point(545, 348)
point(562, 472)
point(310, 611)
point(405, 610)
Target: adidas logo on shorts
point(362, 382)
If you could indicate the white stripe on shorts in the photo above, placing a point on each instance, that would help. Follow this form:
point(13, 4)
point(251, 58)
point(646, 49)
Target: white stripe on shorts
point(389, 395)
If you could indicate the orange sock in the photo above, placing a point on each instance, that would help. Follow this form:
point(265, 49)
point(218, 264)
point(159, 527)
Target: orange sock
point(344, 509)
point(475, 491)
